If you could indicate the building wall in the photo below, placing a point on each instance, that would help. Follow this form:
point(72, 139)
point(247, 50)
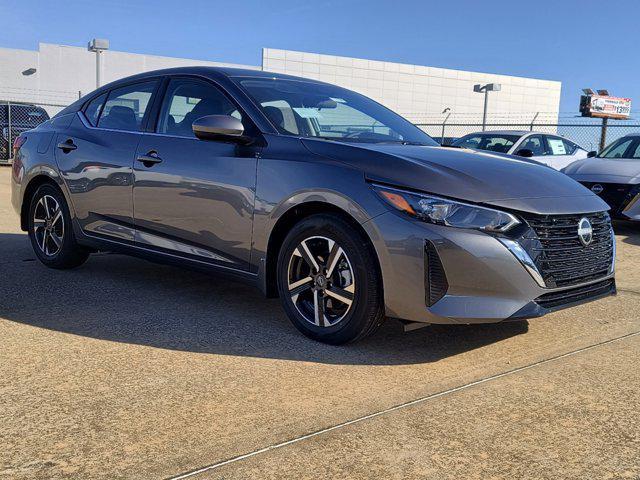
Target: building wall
point(63, 71)
point(421, 93)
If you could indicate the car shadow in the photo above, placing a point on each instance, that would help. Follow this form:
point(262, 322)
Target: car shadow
point(123, 299)
point(630, 230)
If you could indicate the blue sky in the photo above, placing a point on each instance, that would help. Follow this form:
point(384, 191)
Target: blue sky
point(581, 43)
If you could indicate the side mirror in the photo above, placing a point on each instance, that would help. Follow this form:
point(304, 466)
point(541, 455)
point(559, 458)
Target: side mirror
point(592, 154)
point(219, 127)
point(524, 152)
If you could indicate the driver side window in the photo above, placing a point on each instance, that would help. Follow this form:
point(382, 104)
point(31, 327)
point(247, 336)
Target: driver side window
point(535, 144)
point(186, 100)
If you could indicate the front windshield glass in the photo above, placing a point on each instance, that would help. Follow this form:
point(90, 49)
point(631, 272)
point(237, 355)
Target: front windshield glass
point(488, 141)
point(623, 148)
point(325, 111)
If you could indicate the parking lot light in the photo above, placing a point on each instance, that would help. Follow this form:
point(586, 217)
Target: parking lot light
point(489, 87)
point(98, 45)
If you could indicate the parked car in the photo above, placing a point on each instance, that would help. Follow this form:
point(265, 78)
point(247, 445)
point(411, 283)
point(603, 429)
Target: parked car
point(22, 117)
point(552, 150)
point(262, 177)
point(614, 175)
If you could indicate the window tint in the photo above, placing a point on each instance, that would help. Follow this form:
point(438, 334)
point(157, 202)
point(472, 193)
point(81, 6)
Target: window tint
point(469, 142)
point(187, 100)
point(126, 106)
point(493, 142)
point(93, 110)
point(636, 151)
point(617, 149)
point(535, 144)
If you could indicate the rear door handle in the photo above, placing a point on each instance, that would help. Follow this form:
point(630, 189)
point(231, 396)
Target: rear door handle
point(149, 159)
point(67, 145)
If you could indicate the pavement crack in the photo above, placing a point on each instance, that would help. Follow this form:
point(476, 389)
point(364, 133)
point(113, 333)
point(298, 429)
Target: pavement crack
point(401, 406)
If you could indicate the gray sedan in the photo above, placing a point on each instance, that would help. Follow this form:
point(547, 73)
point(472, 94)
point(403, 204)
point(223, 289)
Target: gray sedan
point(316, 194)
point(614, 175)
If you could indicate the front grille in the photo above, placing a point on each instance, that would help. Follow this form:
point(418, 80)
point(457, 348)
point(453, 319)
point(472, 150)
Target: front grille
point(574, 295)
point(560, 256)
point(435, 281)
point(617, 195)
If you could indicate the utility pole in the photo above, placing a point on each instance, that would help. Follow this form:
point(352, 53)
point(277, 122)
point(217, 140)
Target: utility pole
point(603, 134)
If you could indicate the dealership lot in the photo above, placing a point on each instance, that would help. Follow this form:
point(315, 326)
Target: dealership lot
point(125, 369)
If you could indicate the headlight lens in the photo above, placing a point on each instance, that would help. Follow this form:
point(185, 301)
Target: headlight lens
point(441, 211)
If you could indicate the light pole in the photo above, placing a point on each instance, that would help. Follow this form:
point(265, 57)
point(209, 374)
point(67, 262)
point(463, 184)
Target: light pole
point(98, 45)
point(489, 87)
point(448, 112)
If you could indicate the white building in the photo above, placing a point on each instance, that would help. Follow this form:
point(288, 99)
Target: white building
point(420, 93)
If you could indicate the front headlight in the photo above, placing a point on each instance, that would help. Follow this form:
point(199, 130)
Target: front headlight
point(442, 211)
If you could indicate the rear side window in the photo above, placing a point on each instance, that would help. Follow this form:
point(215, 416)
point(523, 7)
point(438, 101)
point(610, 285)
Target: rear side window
point(556, 146)
point(125, 107)
point(93, 110)
point(560, 146)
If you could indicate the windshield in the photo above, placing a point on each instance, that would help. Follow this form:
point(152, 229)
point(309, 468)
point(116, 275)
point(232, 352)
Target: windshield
point(325, 111)
point(626, 147)
point(493, 142)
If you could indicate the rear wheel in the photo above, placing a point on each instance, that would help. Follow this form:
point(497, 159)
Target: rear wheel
point(328, 280)
point(50, 230)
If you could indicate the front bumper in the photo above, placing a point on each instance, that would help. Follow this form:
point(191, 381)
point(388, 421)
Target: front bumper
point(486, 282)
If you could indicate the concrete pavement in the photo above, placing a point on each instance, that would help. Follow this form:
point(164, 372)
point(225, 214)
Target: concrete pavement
point(126, 369)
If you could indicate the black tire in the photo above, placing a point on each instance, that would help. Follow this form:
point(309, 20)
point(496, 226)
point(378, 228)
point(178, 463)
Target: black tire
point(366, 312)
point(68, 254)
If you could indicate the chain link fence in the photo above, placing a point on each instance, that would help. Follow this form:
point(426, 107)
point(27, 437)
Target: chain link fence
point(18, 117)
point(588, 133)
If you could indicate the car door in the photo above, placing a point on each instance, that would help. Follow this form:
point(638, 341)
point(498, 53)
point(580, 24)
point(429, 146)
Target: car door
point(194, 198)
point(95, 156)
point(560, 152)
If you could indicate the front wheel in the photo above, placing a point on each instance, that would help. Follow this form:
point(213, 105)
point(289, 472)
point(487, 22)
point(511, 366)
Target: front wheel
point(329, 281)
point(50, 230)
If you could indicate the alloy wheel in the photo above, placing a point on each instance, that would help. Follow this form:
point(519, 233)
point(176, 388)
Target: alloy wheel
point(48, 225)
point(321, 283)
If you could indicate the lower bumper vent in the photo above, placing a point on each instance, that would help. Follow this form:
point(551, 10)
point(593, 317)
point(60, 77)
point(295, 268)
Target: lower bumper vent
point(576, 295)
point(435, 281)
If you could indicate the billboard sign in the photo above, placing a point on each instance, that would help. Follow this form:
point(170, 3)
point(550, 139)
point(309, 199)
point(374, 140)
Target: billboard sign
point(605, 106)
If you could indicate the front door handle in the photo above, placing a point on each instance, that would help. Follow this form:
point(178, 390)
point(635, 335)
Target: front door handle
point(149, 159)
point(67, 145)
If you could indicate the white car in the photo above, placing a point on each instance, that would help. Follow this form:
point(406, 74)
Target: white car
point(552, 150)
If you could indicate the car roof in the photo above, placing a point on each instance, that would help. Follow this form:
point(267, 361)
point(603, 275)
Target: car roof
point(210, 72)
point(216, 72)
point(512, 132)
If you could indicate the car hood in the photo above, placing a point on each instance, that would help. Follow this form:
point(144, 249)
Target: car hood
point(476, 176)
point(605, 170)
